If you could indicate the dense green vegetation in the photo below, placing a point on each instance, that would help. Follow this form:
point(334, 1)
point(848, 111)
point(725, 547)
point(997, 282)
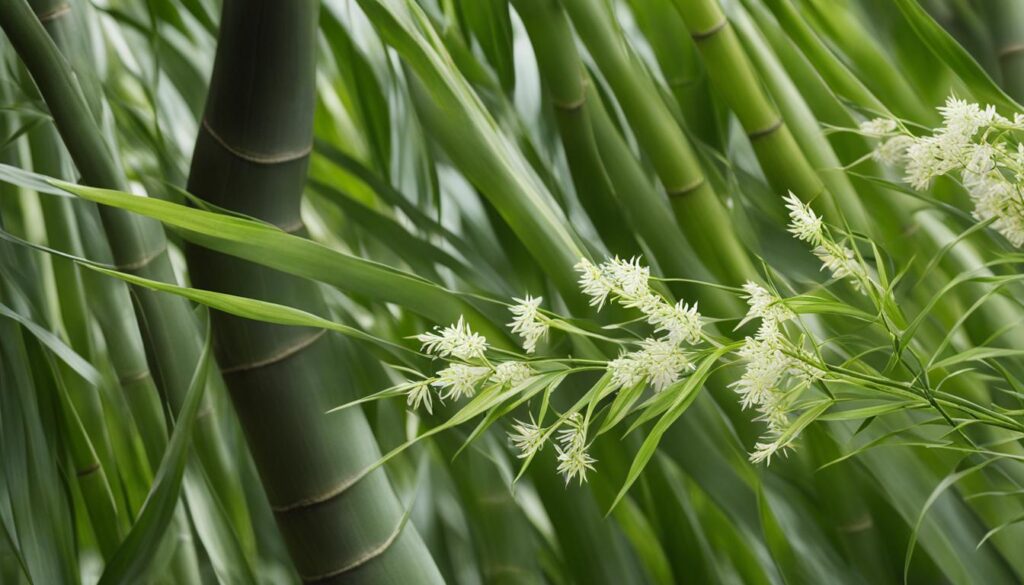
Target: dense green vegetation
point(511, 291)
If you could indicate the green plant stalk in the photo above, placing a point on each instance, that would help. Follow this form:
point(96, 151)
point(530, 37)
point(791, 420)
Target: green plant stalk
point(251, 156)
point(36, 514)
point(699, 212)
point(876, 68)
point(599, 156)
point(734, 77)
point(84, 420)
point(507, 542)
point(83, 412)
point(1005, 20)
point(90, 474)
point(683, 70)
point(562, 74)
point(137, 244)
point(843, 82)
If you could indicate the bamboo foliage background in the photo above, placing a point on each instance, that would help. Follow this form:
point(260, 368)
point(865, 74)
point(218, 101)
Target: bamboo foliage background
point(325, 181)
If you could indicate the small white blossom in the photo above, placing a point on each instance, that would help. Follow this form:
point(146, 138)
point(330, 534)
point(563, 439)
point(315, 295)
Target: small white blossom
point(572, 456)
point(663, 362)
point(893, 151)
point(764, 305)
point(458, 380)
point(763, 452)
point(766, 365)
point(511, 373)
point(626, 371)
point(593, 282)
point(527, 322)
point(679, 322)
point(420, 394)
point(878, 127)
point(841, 262)
point(804, 223)
point(659, 361)
point(628, 276)
point(809, 227)
point(456, 340)
point(527, 438)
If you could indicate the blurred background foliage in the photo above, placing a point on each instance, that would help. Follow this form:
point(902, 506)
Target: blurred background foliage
point(461, 151)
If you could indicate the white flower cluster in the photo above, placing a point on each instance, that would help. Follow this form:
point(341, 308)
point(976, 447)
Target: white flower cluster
point(659, 361)
point(773, 377)
point(571, 450)
point(460, 379)
point(978, 143)
point(528, 438)
point(456, 340)
point(527, 322)
point(511, 373)
point(837, 258)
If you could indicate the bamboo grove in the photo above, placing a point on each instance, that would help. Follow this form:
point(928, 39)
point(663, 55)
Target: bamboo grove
point(511, 291)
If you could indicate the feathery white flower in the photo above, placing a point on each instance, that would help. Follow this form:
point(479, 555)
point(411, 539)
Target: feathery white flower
point(995, 197)
point(527, 438)
point(804, 223)
point(964, 119)
point(626, 371)
point(763, 452)
point(593, 282)
point(663, 362)
point(842, 263)
point(659, 361)
point(511, 373)
point(571, 452)
point(766, 365)
point(679, 322)
point(458, 380)
point(893, 151)
point(420, 394)
point(764, 305)
point(878, 127)
point(456, 340)
point(527, 322)
point(630, 277)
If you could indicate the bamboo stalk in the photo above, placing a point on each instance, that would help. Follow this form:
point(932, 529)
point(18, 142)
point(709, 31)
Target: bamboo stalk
point(1005, 19)
point(733, 75)
point(137, 245)
point(251, 156)
point(696, 206)
point(597, 152)
point(683, 70)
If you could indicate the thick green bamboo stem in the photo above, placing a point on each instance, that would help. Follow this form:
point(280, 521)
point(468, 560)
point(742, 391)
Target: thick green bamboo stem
point(1005, 19)
point(107, 525)
point(732, 74)
point(682, 69)
point(595, 149)
point(137, 244)
point(251, 156)
point(697, 208)
point(842, 81)
point(876, 67)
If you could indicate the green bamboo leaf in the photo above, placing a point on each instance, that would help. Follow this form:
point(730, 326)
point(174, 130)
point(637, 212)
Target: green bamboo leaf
point(947, 50)
point(975, 354)
point(131, 561)
point(683, 398)
point(941, 488)
point(272, 247)
point(76, 362)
